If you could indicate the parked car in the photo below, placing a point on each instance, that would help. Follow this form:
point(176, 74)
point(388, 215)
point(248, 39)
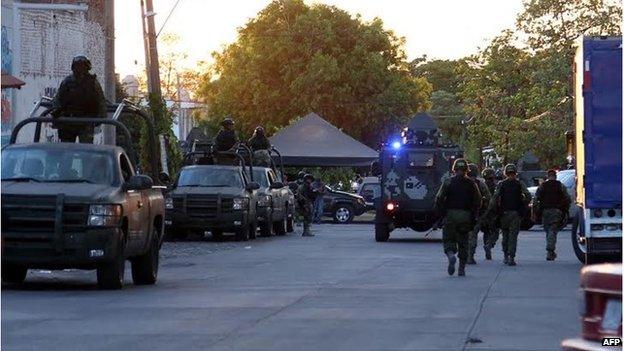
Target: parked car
point(276, 203)
point(370, 189)
point(342, 206)
point(600, 308)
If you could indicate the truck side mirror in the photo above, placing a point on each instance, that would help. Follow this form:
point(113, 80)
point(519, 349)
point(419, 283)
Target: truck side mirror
point(139, 182)
point(251, 186)
point(277, 185)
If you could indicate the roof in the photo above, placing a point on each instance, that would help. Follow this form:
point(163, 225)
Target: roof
point(312, 141)
point(8, 81)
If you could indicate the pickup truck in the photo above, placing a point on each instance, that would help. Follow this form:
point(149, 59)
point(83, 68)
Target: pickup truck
point(342, 206)
point(83, 206)
point(215, 198)
point(276, 203)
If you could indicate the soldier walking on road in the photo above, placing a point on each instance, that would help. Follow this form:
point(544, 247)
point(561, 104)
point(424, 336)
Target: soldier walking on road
point(510, 199)
point(488, 224)
point(473, 237)
point(459, 200)
point(552, 202)
point(305, 198)
point(79, 95)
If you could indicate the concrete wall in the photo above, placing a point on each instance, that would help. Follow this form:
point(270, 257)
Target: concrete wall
point(43, 37)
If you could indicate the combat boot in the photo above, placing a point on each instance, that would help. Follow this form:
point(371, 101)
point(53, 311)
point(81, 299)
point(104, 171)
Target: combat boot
point(471, 260)
point(451, 263)
point(506, 260)
point(488, 252)
point(512, 261)
point(551, 255)
point(307, 231)
point(462, 268)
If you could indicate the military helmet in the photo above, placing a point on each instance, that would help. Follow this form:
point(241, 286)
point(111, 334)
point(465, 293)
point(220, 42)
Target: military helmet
point(308, 176)
point(511, 168)
point(227, 122)
point(473, 170)
point(551, 171)
point(300, 175)
point(81, 59)
point(488, 173)
point(460, 164)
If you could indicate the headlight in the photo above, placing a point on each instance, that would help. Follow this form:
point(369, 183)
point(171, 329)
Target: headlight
point(598, 213)
point(169, 203)
point(240, 203)
point(361, 201)
point(104, 215)
point(264, 200)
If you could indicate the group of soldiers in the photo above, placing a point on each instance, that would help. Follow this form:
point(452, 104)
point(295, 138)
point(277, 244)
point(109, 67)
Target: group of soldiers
point(470, 204)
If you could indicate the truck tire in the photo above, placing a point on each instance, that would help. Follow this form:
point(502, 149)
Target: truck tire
point(13, 273)
point(343, 214)
point(217, 235)
point(145, 267)
point(266, 229)
point(580, 249)
point(253, 228)
point(242, 233)
point(110, 275)
point(382, 233)
point(279, 227)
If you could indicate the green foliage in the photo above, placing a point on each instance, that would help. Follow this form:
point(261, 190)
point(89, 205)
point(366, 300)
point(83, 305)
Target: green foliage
point(163, 122)
point(442, 74)
point(293, 59)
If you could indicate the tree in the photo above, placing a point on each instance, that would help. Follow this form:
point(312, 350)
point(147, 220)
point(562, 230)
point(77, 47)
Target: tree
point(294, 58)
point(442, 74)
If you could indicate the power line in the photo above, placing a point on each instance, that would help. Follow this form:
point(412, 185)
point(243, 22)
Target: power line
point(167, 19)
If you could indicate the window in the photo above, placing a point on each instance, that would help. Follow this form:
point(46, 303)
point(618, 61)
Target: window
point(126, 168)
point(417, 159)
point(370, 192)
point(260, 177)
point(566, 178)
point(57, 165)
point(209, 177)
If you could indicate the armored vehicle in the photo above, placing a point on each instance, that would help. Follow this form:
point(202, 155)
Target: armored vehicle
point(411, 169)
point(214, 192)
point(84, 206)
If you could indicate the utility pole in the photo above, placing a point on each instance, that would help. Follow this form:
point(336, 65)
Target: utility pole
point(109, 65)
point(151, 50)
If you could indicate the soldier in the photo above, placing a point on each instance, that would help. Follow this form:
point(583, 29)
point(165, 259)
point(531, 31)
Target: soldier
point(552, 202)
point(459, 200)
point(260, 146)
point(305, 197)
point(510, 199)
point(79, 95)
point(473, 237)
point(488, 225)
point(226, 138)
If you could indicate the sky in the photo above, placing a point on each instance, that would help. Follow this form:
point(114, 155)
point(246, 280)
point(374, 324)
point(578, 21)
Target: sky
point(441, 29)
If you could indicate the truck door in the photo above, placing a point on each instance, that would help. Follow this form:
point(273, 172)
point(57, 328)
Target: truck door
point(135, 210)
point(277, 194)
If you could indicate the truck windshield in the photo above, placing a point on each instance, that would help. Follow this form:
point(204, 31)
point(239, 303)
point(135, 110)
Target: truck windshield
point(261, 178)
point(210, 177)
point(418, 159)
point(56, 166)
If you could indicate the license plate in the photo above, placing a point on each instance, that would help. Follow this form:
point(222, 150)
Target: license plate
point(612, 317)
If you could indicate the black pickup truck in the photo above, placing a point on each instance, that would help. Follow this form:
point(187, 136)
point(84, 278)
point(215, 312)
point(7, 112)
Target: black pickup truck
point(84, 206)
point(276, 203)
point(214, 192)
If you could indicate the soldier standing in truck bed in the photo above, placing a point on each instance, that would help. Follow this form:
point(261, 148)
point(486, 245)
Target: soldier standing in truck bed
point(79, 95)
point(459, 200)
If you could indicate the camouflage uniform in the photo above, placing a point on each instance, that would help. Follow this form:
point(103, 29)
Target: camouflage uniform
point(510, 198)
point(78, 96)
point(473, 236)
point(305, 198)
point(488, 223)
point(459, 199)
point(552, 200)
point(224, 141)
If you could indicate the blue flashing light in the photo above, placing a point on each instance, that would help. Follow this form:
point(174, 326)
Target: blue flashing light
point(396, 145)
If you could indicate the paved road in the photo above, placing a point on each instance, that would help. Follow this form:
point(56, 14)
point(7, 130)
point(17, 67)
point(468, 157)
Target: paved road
point(337, 291)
